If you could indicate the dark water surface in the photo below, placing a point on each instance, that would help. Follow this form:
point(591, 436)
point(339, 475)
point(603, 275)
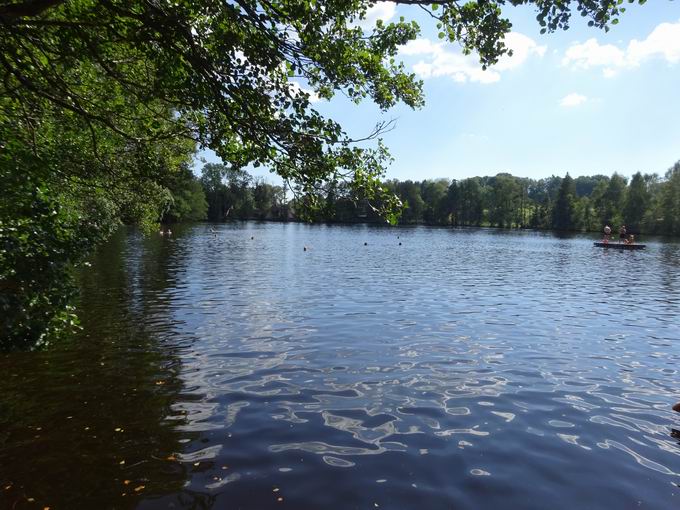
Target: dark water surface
point(464, 369)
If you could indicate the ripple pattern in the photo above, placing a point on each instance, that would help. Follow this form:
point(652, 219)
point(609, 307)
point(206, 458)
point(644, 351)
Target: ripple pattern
point(460, 369)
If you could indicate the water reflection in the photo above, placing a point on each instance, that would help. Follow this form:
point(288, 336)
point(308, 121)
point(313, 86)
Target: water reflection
point(90, 424)
point(464, 369)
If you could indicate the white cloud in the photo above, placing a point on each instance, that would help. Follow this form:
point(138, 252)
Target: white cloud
point(440, 59)
point(420, 47)
point(592, 54)
point(522, 48)
point(296, 88)
point(663, 42)
point(573, 99)
point(380, 11)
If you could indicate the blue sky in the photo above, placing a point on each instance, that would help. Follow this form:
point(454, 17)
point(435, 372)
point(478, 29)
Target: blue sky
point(580, 101)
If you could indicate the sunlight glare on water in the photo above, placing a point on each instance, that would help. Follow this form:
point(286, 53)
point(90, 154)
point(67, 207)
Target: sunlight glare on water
point(461, 369)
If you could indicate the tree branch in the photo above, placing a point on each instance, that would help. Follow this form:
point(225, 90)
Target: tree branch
point(28, 8)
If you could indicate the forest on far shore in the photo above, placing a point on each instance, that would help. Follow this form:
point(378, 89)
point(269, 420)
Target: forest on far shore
point(645, 203)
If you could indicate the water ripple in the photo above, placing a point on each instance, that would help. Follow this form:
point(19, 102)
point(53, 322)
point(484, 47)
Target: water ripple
point(463, 366)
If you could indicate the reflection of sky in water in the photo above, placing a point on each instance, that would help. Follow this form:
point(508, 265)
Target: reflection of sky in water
point(517, 361)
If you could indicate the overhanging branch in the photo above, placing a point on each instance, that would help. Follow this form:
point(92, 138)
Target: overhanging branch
point(28, 8)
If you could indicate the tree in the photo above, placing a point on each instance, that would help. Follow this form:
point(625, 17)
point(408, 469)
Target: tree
point(612, 199)
point(212, 180)
point(264, 196)
point(433, 194)
point(585, 184)
point(225, 70)
point(636, 203)
point(653, 218)
point(670, 200)
point(409, 193)
point(188, 201)
point(228, 192)
point(472, 205)
point(61, 197)
point(504, 200)
point(584, 214)
point(564, 212)
point(523, 203)
point(453, 202)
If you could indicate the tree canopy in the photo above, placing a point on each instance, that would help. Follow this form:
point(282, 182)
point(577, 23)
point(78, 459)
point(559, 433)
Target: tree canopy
point(231, 75)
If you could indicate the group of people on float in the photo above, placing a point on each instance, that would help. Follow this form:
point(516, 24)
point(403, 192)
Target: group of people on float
point(624, 236)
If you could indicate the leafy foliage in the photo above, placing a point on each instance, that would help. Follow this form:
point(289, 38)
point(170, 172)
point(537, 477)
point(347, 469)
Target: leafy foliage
point(670, 201)
point(232, 73)
point(188, 202)
point(43, 233)
point(62, 196)
point(563, 211)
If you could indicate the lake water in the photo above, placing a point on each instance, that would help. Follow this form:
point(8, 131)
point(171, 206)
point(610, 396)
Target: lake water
point(462, 369)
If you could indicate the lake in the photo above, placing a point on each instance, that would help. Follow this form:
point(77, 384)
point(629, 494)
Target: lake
point(460, 369)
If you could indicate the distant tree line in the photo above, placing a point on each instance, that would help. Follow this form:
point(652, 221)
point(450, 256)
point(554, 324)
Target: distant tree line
point(224, 193)
point(647, 203)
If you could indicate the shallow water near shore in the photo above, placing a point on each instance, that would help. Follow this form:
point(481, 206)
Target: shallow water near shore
point(464, 368)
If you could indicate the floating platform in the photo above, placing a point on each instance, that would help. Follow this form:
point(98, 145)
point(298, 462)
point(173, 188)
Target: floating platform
point(621, 246)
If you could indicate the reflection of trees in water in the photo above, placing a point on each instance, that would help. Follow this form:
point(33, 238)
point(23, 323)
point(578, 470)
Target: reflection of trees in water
point(670, 255)
point(90, 424)
point(564, 234)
